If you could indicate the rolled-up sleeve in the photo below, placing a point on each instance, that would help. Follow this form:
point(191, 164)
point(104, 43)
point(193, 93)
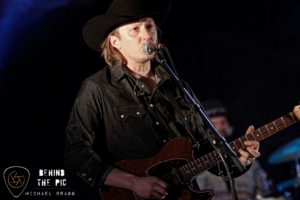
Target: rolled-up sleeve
point(84, 126)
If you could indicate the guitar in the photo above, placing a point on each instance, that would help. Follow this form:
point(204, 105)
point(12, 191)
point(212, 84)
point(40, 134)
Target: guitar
point(176, 165)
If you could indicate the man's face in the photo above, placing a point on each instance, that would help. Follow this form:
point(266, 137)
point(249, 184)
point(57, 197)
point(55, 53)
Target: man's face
point(132, 38)
point(222, 124)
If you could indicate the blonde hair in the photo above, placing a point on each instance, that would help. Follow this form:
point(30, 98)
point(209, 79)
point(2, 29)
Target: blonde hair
point(111, 55)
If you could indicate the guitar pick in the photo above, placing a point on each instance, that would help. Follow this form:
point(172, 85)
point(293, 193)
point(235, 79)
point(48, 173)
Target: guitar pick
point(16, 179)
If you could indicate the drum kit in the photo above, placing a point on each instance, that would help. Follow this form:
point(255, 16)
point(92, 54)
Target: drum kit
point(288, 153)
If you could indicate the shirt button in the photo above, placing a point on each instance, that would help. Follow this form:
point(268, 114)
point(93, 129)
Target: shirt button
point(157, 123)
point(122, 116)
point(83, 174)
point(138, 113)
point(90, 179)
point(142, 85)
point(151, 105)
point(164, 141)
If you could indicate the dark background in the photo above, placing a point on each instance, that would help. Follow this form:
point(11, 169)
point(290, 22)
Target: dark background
point(246, 53)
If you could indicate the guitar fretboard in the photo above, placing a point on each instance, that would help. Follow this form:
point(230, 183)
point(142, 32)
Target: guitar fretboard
point(189, 170)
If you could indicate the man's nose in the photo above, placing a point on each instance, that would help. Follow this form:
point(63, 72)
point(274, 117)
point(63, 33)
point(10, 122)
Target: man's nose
point(146, 33)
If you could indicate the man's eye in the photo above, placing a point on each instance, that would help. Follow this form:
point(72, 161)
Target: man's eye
point(135, 28)
point(149, 26)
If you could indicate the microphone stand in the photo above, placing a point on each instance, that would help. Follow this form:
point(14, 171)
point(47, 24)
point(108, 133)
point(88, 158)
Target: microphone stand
point(218, 139)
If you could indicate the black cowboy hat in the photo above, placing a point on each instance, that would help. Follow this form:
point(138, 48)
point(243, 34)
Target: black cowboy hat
point(119, 13)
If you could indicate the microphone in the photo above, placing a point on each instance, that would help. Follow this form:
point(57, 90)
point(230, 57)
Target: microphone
point(151, 47)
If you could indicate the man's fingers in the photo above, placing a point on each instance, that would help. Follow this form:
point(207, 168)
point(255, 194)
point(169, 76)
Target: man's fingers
point(162, 184)
point(156, 195)
point(160, 189)
point(244, 154)
point(253, 151)
point(250, 129)
point(251, 143)
point(244, 157)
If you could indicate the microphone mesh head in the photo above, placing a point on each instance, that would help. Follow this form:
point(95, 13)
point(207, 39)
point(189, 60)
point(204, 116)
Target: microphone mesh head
point(149, 48)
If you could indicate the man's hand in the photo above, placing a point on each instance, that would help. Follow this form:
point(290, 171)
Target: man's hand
point(252, 149)
point(150, 187)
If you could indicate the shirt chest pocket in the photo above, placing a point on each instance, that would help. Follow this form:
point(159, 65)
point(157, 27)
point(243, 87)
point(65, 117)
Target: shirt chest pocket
point(131, 120)
point(130, 112)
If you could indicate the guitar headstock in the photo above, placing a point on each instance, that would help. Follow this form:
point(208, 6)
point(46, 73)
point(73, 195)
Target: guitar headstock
point(296, 111)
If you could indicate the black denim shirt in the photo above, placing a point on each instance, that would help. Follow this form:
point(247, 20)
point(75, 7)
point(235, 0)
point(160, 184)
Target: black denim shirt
point(115, 117)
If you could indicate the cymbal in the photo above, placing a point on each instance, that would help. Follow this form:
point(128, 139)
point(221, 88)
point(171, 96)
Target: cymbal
point(292, 183)
point(288, 152)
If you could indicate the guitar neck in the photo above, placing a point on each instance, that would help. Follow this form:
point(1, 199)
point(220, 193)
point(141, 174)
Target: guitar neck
point(189, 170)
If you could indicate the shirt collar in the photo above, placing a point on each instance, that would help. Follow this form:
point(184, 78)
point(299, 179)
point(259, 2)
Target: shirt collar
point(118, 72)
point(161, 73)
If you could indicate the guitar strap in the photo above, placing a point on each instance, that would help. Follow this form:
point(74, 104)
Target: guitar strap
point(174, 103)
